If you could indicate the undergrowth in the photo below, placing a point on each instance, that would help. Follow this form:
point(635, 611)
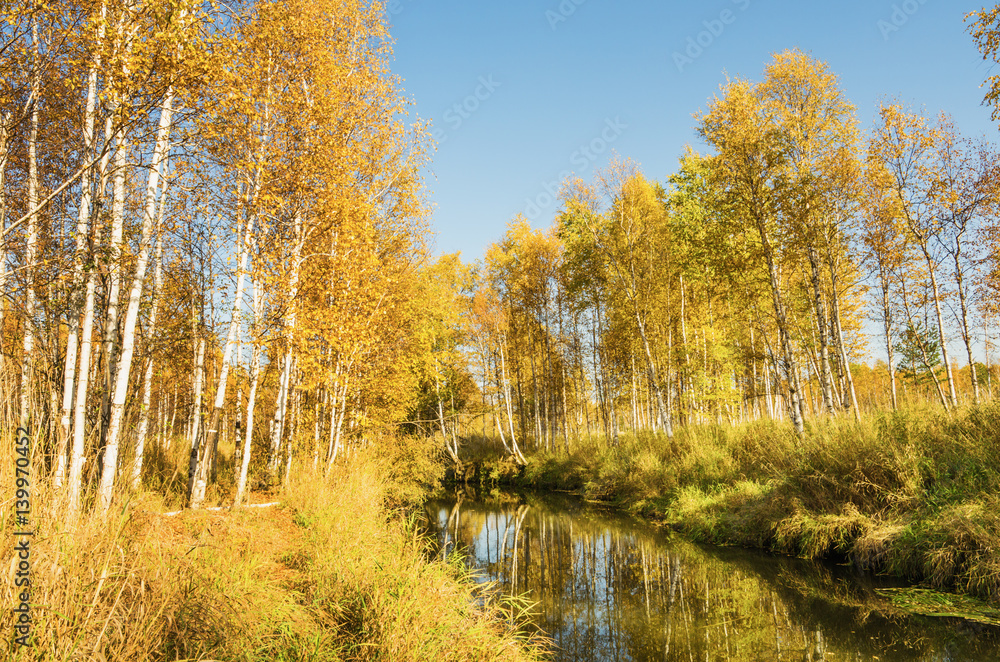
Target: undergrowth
point(915, 493)
point(334, 573)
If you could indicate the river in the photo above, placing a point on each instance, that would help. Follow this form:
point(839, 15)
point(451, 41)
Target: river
point(609, 587)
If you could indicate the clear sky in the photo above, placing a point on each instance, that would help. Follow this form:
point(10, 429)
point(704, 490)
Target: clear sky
point(522, 91)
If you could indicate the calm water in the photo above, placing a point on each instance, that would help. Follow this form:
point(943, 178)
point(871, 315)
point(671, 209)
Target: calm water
point(611, 588)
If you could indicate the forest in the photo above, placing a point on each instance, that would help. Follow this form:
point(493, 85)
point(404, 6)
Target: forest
point(219, 287)
point(754, 284)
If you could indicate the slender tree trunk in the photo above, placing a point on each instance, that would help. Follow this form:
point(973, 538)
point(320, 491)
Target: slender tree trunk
point(238, 431)
point(534, 397)
point(207, 448)
point(78, 457)
point(790, 366)
point(277, 424)
point(550, 405)
point(565, 412)
point(518, 456)
point(147, 382)
point(687, 354)
point(160, 154)
point(31, 243)
point(336, 431)
point(670, 391)
point(115, 278)
point(842, 346)
point(964, 320)
point(258, 312)
point(986, 350)
point(444, 431)
point(953, 396)
point(6, 120)
point(161, 420)
point(599, 387)
point(825, 373)
point(923, 350)
point(334, 389)
point(634, 401)
point(82, 230)
point(169, 433)
point(562, 365)
point(319, 413)
point(281, 405)
point(199, 385)
point(654, 379)
point(767, 391)
point(292, 435)
point(887, 333)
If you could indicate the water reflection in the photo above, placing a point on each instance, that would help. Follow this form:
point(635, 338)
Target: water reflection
point(612, 588)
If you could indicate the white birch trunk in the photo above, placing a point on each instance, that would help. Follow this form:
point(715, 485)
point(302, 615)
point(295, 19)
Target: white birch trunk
point(77, 457)
point(281, 404)
point(114, 277)
point(932, 273)
point(339, 411)
point(147, 382)
point(518, 456)
point(279, 415)
point(318, 414)
point(5, 123)
point(241, 482)
point(212, 434)
point(168, 434)
point(31, 247)
point(160, 152)
point(839, 330)
point(292, 435)
point(195, 425)
point(82, 229)
point(963, 318)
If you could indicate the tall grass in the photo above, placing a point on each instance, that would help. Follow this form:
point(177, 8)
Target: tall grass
point(331, 574)
point(914, 493)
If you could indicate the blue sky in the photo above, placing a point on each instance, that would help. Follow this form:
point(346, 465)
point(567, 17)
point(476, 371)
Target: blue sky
point(523, 91)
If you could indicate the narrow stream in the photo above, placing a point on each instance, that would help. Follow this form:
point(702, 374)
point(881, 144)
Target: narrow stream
point(608, 587)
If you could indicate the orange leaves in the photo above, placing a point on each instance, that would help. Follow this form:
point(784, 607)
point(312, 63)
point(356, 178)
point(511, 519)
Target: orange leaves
point(927, 175)
point(985, 30)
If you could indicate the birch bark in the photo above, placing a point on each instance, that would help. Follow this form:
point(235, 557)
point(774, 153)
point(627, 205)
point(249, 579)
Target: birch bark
point(241, 482)
point(31, 247)
point(82, 230)
point(147, 382)
point(208, 447)
point(160, 153)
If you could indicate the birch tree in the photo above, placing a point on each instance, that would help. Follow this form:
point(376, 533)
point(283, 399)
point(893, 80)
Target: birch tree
point(907, 144)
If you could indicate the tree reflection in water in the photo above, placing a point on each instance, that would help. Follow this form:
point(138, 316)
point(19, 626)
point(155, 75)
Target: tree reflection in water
point(613, 588)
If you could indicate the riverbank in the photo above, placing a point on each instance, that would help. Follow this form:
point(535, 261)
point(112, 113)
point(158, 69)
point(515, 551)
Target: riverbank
point(913, 493)
point(332, 573)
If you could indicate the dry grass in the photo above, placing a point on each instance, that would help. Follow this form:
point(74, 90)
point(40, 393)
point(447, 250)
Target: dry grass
point(329, 575)
point(374, 581)
point(912, 492)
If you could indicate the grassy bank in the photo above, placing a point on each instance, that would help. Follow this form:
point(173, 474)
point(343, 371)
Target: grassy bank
point(914, 493)
point(331, 574)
